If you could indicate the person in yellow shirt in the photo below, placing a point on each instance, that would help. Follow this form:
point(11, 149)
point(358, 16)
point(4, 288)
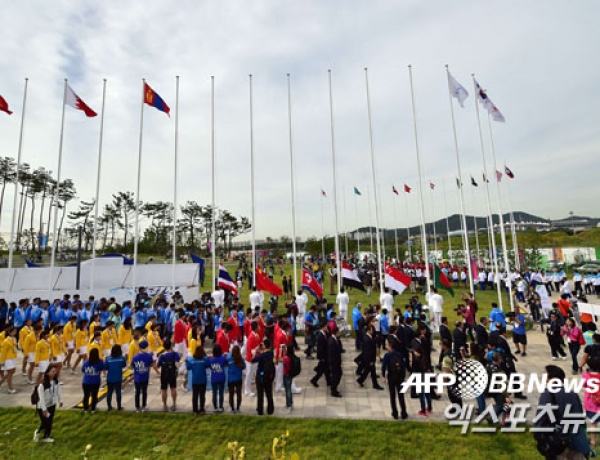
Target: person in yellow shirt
point(8, 358)
point(154, 340)
point(94, 323)
point(134, 349)
point(195, 339)
point(43, 352)
point(95, 343)
point(81, 343)
point(57, 346)
point(23, 333)
point(29, 349)
point(125, 335)
point(2, 337)
point(151, 322)
point(109, 338)
point(69, 333)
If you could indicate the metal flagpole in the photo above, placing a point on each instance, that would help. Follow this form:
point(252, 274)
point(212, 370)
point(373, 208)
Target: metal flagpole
point(435, 248)
point(175, 170)
point(11, 244)
point(55, 226)
point(252, 187)
point(382, 233)
point(357, 226)
point(322, 231)
point(213, 231)
point(475, 224)
point(396, 232)
point(335, 213)
point(345, 220)
point(513, 230)
point(294, 262)
point(380, 261)
point(460, 191)
point(447, 221)
point(502, 230)
point(420, 188)
point(137, 195)
point(97, 203)
point(409, 241)
point(487, 192)
point(370, 218)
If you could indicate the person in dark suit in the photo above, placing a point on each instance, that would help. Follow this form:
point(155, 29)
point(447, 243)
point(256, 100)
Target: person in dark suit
point(445, 334)
point(460, 341)
point(322, 341)
point(481, 334)
point(369, 357)
point(409, 335)
point(334, 361)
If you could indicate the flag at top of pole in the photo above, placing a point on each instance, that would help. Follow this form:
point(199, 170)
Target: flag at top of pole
point(431, 185)
point(323, 194)
point(407, 189)
point(508, 172)
point(498, 176)
point(357, 192)
point(4, 106)
point(473, 183)
point(457, 90)
point(152, 98)
point(487, 103)
point(76, 102)
point(394, 190)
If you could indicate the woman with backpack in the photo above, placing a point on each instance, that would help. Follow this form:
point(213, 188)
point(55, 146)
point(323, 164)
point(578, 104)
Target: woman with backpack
point(575, 339)
point(235, 367)
point(45, 397)
point(218, 362)
point(167, 363)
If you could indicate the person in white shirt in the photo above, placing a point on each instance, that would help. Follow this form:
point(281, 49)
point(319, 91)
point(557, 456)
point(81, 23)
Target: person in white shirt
point(301, 303)
point(343, 300)
point(482, 279)
point(219, 297)
point(387, 301)
point(436, 303)
point(255, 299)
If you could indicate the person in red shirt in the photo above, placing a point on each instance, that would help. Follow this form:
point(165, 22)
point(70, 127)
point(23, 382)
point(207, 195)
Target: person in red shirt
point(234, 332)
point(223, 337)
point(248, 323)
point(252, 344)
point(565, 306)
point(262, 324)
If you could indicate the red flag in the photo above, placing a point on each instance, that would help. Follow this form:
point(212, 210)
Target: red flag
point(4, 106)
point(323, 193)
point(508, 172)
point(311, 284)
point(431, 185)
point(263, 283)
point(395, 279)
point(394, 190)
point(407, 189)
point(498, 176)
point(153, 99)
point(75, 101)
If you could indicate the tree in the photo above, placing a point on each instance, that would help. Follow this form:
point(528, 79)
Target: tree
point(81, 217)
point(191, 221)
point(66, 193)
point(124, 203)
point(8, 175)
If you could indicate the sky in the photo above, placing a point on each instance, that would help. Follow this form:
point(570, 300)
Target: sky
point(536, 60)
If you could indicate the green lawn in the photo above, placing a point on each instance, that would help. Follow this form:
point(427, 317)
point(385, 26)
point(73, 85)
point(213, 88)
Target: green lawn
point(129, 435)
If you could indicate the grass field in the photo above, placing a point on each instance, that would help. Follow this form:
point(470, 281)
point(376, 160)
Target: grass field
point(157, 436)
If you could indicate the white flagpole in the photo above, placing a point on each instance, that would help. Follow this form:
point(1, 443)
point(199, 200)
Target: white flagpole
point(502, 229)
point(322, 230)
point(435, 248)
point(357, 226)
point(460, 191)
point(252, 186)
point(420, 188)
point(382, 235)
point(213, 253)
point(345, 221)
point(294, 262)
point(447, 221)
point(14, 213)
point(370, 218)
point(396, 232)
point(55, 226)
point(475, 223)
point(97, 202)
point(137, 194)
point(175, 171)
point(513, 229)
point(409, 241)
point(335, 213)
point(487, 192)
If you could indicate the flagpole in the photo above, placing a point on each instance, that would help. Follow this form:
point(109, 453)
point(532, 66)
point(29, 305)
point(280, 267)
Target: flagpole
point(345, 221)
point(513, 230)
point(97, 203)
point(292, 185)
point(396, 232)
point(475, 224)
point(487, 192)
point(370, 218)
point(14, 213)
point(420, 188)
point(357, 226)
point(382, 235)
point(213, 255)
point(335, 208)
point(433, 224)
point(460, 192)
point(175, 170)
point(447, 221)
point(502, 229)
point(137, 194)
point(322, 231)
point(409, 241)
point(252, 187)
point(58, 174)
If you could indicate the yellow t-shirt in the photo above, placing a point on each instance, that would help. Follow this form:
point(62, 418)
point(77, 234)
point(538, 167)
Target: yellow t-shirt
point(81, 339)
point(30, 342)
point(109, 338)
point(93, 327)
point(69, 331)
point(192, 345)
point(93, 344)
point(134, 349)
point(23, 336)
point(124, 336)
point(57, 345)
point(154, 341)
point(8, 349)
point(42, 351)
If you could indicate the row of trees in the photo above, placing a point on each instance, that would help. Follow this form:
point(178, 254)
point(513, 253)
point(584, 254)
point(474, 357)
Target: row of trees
point(38, 199)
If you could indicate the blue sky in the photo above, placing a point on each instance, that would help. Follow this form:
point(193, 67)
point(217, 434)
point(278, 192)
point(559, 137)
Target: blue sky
point(536, 59)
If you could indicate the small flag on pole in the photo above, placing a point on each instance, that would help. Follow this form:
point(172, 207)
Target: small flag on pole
point(508, 172)
point(152, 98)
point(75, 101)
point(485, 179)
point(457, 90)
point(498, 176)
point(394, 190)
point(4, 106)
point(407, 189)
point(357, 192)
point(323, 193)
point(487, 103)
point(431, 185)
point(473, 183)
point(458, 183)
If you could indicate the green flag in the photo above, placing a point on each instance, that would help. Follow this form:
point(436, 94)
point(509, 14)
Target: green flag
point(441, 281)
point(357, 192)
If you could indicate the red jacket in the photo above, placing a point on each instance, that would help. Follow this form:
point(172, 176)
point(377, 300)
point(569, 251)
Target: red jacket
point(180, 333)
point(223, 341)
point(251, 345)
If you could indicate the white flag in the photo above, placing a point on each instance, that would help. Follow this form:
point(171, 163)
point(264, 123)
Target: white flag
point(457, 90)
point(487, 103)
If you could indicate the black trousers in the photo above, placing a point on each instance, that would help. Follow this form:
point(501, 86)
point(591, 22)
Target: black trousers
point(90, 391)
point(46, 422)
point(366, 370)
point(198, 394)
point(116, 388)
point(321, 369)
point(264, 388)
point(235, 389)
point(395, 392)
point(335, 378)
point(556, 349)
point(141, 389)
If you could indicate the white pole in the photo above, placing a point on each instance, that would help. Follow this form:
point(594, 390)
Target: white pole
point(435, 248)
point(322, 231)
point(370, 218)
point(409, 241)
point(460, 191)
point(14, 213)
point(335, 213)
point(292, 185)
point(420, 188)
point(55, 226)
point(380, 261)
point(396, 233)
point(175, 171)
point(137, 194)
point(357, 227)
point(345, 221)
point(447, 221)
point(213, 253)
point(252, 187)
point(513, 229)
point(487, 192)
point(97, 200)
point(475, 223)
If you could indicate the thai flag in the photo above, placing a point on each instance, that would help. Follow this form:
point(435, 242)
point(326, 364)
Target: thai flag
point(225, 280)
point(508, 172)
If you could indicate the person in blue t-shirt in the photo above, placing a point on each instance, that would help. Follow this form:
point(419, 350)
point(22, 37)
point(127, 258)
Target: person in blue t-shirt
point(310, 329)
point(519, 333)
point(235, 367)
point(167, 363)
point(496, 315)
point(218, 362)
point(115, 364)
point(198, 364)
point(92, 374)
point(141, 365)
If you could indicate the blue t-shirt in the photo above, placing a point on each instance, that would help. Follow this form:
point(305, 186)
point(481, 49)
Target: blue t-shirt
point(356, 314)
point(92, 372)
point(217, 369)
point(141, 364)
point(520, 328)
point(170, 356)
point(115, 367)
point(234, 373)
point(198, 368)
